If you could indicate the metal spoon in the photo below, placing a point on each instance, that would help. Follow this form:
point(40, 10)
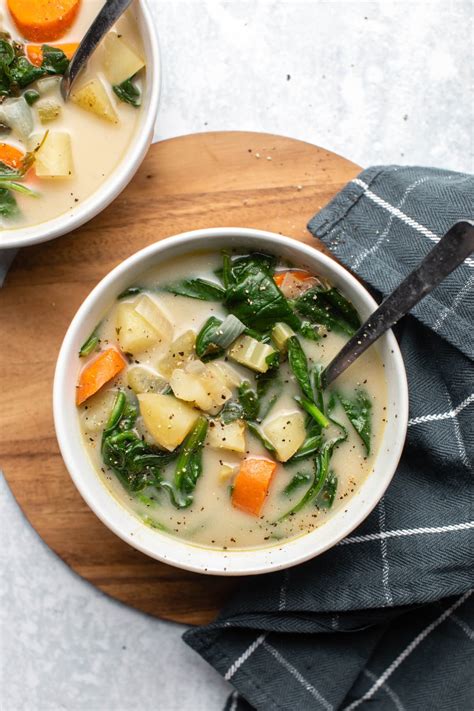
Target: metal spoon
point(452, 249)
point(108, 16)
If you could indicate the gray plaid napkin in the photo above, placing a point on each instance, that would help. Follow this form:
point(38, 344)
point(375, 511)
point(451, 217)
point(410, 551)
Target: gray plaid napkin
point(384, 620)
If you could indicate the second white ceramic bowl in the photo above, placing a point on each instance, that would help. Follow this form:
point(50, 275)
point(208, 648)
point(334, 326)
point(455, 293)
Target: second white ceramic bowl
point(130, 162)
point(177, 551)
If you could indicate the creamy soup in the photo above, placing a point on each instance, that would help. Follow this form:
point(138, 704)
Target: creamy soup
point(54, 155)
point(201, 405)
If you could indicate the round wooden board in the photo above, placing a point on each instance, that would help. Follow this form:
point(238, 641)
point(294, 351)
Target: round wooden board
point(228, 179)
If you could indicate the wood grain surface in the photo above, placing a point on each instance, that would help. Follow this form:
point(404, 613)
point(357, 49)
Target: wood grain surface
point(228, 179)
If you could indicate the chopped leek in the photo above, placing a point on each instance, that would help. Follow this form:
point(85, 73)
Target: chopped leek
point(280, 334)
point(252, 353)
point(228, 331)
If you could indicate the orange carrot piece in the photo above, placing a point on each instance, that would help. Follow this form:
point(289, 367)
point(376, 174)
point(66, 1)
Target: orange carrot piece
point(11, 155)
point(34, 52)
point(296, 273)
point(251, 485)
point(106, 366)
point(43, 20)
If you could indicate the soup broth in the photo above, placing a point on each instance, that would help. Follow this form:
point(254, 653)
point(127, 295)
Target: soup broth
point(278, 456)
point(78, 143)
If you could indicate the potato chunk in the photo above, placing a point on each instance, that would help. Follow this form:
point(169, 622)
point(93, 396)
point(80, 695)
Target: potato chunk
point(96, 411)
point(167, 419)
point(121, 61)
point(188, 387)
point(48, 110)
point(201, 385)
point(156, 317)
point(134, 333)
point(179, 353)
point(54, 157)
point(231, 436)
point(287, 433)
point(226, 372)
point(93, 97)
point(144, 380)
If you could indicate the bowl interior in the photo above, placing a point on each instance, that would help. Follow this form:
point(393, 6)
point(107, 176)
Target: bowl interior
point(179, 552)
point(124, 171)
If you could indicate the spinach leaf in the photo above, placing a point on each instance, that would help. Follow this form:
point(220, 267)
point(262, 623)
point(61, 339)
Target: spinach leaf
point(152, 523)
point(197, 289)
point(299, 366)
point(256, 404)
point(309, 448)
point(7, 56)
point(21, 72)
point(257, 432)
point(225, 274)
point(328, 494)
point(313, 410)
point(189, 464)
point(17, 187)
point(269, 387)
point(89, 345)
point(309, 330)
point(206, 347)
point(317, 308)
point(359, 413)
point(5, 84)
point(321, 476)
point(317, 385)
point(343, 305)
point(230, 412)
point(128, 92)
point(54, 60)
point(132, 291)
point(320, 473)
point(8, 204)
point(7, 53)
point(238, 265)
point(136, 463)
point(248, 400)
point(298, 480)
point(17, 72)
point(254, 297)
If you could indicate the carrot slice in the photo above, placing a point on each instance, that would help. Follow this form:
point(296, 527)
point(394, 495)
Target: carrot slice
point(296, 273)
point(34, 52)
point(106, 366)
point(251, 485)
point(11, 155)
point(43, 20)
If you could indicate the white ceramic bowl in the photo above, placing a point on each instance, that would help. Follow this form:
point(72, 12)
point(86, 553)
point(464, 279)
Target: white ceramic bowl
point(126, 169)
point(176, 551)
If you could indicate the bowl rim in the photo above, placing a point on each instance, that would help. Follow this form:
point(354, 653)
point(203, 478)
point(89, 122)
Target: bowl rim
point(126, 168)
point(179, 552)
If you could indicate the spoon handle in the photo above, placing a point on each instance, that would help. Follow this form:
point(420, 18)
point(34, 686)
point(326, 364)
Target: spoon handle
point(107, 17)
point(452, 249)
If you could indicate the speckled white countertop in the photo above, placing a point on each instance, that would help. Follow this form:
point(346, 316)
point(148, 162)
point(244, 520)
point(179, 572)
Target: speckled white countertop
point(378, 82)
